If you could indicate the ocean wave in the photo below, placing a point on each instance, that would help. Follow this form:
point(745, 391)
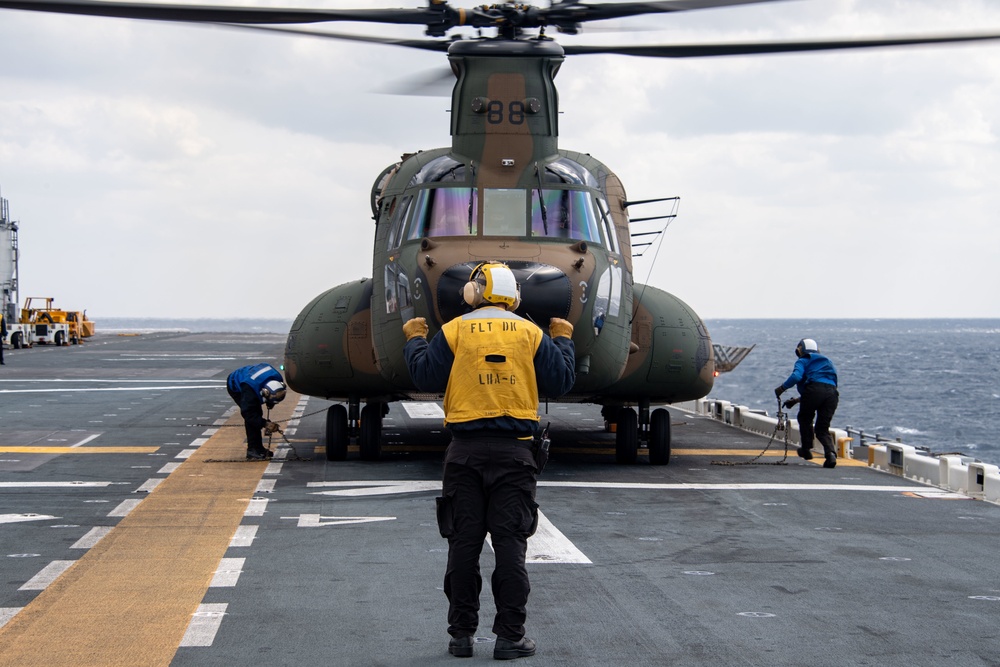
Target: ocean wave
point(903, 430)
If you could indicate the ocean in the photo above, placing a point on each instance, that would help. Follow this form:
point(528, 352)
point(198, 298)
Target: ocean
point(928, 383)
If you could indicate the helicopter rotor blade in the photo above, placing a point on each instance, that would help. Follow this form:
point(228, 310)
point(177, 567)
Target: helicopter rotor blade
point(571, 11)
point(422, 44)
point(437, 14)
point(760, 48)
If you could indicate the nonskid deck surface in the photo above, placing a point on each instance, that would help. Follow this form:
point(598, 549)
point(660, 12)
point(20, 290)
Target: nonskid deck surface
point(124, 543)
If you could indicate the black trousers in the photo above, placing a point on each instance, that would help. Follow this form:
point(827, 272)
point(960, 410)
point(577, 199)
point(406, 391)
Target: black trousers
point(253, 417)
point(818, 402)
point(489, 487)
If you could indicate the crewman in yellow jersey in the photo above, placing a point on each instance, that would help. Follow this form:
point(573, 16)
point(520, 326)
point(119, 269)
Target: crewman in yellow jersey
point(491, 365)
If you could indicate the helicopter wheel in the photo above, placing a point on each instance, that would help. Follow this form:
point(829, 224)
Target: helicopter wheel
point(336, 433)
point(370, 438)
point(627, 436)
point(659, 437)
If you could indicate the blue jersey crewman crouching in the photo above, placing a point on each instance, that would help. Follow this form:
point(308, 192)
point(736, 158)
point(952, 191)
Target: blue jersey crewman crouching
point(491, 365)
point(250, 387)
point(816, 379)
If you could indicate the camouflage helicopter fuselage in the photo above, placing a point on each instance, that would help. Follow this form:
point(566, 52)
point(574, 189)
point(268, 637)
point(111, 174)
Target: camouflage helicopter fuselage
point(503, 191)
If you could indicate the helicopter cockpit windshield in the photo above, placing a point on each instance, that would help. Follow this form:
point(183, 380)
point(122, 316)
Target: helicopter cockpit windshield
point(565, 205)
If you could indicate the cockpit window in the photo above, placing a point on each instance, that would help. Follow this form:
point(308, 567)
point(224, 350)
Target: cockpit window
point(444, 169)
point(568, 172)
point(503, 212)
point(568, 214)
point(609, 225)
point(443, 212)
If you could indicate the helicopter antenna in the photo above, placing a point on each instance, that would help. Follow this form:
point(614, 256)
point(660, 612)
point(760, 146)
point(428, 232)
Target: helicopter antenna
point(670, 218)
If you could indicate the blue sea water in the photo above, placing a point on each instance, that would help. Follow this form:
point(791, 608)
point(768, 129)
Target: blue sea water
point(930, 383)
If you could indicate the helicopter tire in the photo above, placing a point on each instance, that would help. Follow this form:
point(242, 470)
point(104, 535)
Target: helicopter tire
point(659, 437)
point(370, 437)
point(337, 437)
point(60, 339)
point(627, 436)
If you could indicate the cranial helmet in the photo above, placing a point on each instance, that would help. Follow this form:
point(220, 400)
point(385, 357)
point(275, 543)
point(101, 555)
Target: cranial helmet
point(273, 392)
point(492, 282)
point(806, 347)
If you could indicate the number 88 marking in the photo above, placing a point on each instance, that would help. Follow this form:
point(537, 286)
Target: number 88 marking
point(495, 115)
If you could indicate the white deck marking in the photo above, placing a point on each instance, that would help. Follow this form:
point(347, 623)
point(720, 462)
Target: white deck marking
point(315, 520)
point(731, 487)
point(549, 545)
point(48, 574)
point(244, 536)
point(204, 625)
point(256, 507)
point(185, 453)
point(198, 442)
point(91, 538)
point(49, 485)
point(265, 486)
point(228, 573)
point(273, 468)
point(423, 410)
point(86, 440)
point(7, 613)
point(169, 468)
point(149, 485)
point(66, 389)
point(125, 507)
point(377, 488)
point(18, 518)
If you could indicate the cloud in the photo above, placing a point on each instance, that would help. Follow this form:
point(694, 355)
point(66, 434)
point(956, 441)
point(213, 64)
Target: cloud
point(170, 170)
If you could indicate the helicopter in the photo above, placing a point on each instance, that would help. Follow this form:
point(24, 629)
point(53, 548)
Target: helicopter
point(503, 191)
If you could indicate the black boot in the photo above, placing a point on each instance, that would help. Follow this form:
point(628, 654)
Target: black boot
point(805, 453)
point(831, 460)
point(505, 649)
point(461, 647)
point(259, 454)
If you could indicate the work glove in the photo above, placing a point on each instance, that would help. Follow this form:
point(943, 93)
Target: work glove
point(271, 427)
point(779, 390)
point(790, 403)
point(560, 327)
point(415, 328)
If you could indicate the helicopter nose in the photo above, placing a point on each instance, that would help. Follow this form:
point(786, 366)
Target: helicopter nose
point(545, 291)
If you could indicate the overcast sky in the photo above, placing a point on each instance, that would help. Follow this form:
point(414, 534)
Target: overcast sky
point(167, 170)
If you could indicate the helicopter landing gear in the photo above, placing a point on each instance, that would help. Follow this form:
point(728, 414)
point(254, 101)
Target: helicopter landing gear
point(626, 436)
point(370, 431)
point(633, 427)
point(337, 435)
point(659, 437)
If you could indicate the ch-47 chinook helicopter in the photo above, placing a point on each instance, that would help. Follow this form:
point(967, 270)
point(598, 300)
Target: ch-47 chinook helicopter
point(504, 190)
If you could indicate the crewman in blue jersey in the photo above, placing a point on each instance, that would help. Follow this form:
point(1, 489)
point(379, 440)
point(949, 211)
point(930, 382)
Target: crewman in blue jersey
point(250, 387)
point(816, 379)
point(491, 365)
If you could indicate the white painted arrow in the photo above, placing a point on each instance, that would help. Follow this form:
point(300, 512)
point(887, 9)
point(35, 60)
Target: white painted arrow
point(15, 518)
point(377, 487)
point(315, 520)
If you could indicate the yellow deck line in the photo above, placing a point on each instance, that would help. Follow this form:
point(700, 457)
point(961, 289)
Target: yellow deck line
point(129, 599)
point(77, 450)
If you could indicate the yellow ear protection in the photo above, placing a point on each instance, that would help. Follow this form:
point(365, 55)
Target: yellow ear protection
point(500, 287)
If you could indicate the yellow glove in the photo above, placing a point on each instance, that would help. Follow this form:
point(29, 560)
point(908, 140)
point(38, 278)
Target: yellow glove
point(560, 327)
point(271, 427)
point(415, 328)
